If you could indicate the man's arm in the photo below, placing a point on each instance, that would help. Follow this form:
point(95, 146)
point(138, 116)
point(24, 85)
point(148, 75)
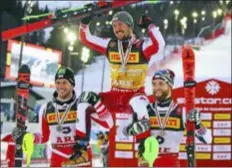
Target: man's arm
point(91, 41)
point(140, 124)
point(154, 45)
point(102, 115)
point(43, 135)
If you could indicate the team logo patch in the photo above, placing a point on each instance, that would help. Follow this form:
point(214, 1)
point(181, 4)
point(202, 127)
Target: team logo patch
point(115, 57)
point(71, 116)
point(172, 122)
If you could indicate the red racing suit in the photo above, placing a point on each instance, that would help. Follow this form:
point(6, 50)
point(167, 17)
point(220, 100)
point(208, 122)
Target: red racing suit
point(76, 127)
point(124, 85)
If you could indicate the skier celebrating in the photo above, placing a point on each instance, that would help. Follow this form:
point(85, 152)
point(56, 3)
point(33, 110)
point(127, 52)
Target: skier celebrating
point(66, 122)
point(128, 58)
point(166, 120)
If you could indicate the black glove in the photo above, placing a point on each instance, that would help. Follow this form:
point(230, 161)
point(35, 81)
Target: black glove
point(17, 133)
point(89, 97)
point(86, 20)
point(144, 21)
point(138, 127)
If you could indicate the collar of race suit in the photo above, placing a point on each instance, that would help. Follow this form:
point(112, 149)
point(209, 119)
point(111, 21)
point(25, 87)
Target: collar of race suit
point(55, 95)
point(164, 103)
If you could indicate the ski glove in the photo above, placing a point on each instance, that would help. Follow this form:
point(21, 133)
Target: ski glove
point(144, 21)
point(17, 133)
point(194, 116)
point(86, 20)
point(89, 97)
point(138, 127)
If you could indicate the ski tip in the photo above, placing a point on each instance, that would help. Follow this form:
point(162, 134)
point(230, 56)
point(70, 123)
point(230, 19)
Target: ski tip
point(24, 69)
point(188, 52)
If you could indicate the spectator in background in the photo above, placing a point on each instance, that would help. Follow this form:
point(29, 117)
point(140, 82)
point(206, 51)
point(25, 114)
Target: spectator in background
point(103, 144)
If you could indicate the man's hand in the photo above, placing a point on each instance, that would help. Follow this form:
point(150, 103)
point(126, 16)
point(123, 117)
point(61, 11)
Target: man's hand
point(144, 21)
point(89, 97)
point(194, 116)
point(86, 20)
point(138, 127)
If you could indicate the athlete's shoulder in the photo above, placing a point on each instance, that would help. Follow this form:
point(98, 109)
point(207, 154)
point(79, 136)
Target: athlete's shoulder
point(112, 43)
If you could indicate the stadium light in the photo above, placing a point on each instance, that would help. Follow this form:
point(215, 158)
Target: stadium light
point(71, 37)
point(214, 14)
point(194, 15)
point(194, 21)
point(66, 30)
point(219, 12)
point(203, 13)
point(185, 18)
point(171, 2)
point(110, 12)
point(98, 24)
point(70, 48)
point(176, 13)
point(143, 30)
point(85, 54)
point(221, 2)
point(165, 21)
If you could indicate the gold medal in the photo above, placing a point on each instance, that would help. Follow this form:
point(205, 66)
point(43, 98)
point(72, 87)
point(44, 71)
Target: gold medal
point(123, 69)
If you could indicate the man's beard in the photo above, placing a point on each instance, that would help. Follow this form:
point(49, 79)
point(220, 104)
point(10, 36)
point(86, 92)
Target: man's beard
point(163, 96)
point(125, 36)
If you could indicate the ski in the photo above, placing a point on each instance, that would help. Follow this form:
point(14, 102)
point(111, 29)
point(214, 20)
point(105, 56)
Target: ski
point(62, 17)
point(23, 84)
point(188, 59)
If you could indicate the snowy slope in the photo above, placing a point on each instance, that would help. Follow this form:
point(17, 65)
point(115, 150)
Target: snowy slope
point(212, 61)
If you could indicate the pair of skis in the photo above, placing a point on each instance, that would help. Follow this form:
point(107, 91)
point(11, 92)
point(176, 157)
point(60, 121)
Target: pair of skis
point(24, 143)
point(62, 17)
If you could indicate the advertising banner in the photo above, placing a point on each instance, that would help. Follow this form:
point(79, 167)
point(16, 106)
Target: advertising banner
point(213, 99)
point(43, 62)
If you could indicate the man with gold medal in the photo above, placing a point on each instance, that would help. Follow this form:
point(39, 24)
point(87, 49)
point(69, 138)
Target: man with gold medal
point(128, 57)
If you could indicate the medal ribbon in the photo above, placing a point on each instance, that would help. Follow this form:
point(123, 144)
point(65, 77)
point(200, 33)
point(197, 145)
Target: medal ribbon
point(60, 121)
point(163, 125)
point(124, 56)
